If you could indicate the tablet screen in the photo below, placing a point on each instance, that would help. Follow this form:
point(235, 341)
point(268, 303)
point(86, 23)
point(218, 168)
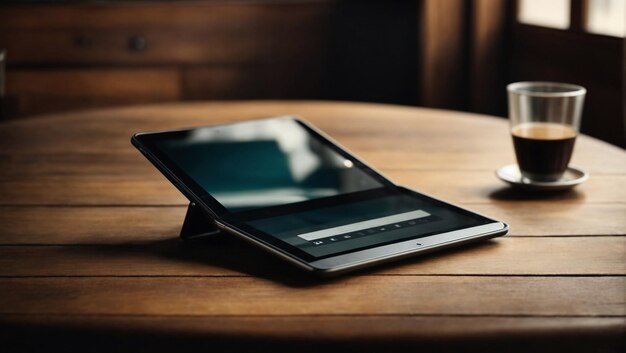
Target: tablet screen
point(258, 164)
point(282, 179)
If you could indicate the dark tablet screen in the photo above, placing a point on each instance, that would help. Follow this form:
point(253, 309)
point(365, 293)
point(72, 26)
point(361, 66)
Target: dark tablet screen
point(258, 164)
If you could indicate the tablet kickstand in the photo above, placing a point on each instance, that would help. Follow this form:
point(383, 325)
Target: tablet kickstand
point(197, 224)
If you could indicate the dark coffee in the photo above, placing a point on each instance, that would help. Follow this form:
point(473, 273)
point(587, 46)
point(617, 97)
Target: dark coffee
point(543, 150)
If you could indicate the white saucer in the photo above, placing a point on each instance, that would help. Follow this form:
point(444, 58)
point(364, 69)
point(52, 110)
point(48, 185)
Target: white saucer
point(571, 177)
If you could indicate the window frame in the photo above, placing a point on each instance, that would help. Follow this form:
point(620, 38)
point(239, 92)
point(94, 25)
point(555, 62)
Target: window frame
point(594, 67)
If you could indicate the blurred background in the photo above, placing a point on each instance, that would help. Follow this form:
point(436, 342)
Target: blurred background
point(452, 54)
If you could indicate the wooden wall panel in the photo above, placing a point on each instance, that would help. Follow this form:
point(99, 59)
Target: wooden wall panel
point(172, 33)
point(252, 82)
point(75, 56)
point(488, 52)
point(463, 53)
point(443, 58)
point(39, 91)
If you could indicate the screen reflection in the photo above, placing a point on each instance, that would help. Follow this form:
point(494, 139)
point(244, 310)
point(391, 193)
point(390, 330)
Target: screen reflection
point(264, 163)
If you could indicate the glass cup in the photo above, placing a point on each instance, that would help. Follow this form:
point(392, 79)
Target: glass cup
point(545, 120)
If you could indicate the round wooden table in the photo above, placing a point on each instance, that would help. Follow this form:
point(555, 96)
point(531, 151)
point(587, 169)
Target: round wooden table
point(89, 255)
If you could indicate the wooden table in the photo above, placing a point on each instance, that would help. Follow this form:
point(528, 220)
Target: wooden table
point(90, 260)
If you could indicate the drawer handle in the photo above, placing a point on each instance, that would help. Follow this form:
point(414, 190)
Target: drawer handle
point(137, 43)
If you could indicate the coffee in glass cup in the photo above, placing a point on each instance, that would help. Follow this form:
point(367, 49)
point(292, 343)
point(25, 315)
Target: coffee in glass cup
point(544, 119)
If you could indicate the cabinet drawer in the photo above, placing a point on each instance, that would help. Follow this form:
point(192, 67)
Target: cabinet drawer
point(42, 91)
point(163, 33)
point(258, 82)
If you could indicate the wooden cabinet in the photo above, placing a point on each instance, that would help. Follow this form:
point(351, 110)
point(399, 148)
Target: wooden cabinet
point(71, 56)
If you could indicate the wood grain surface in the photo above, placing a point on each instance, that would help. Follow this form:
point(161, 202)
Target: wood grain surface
point(90, 260)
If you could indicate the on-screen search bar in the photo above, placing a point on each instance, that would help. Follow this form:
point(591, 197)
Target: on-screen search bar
point(353, 227)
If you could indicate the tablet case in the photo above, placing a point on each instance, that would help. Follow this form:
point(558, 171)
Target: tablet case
point(197, 224)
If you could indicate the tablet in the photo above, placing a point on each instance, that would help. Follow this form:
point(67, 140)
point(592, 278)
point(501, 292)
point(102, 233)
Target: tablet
point(288, 188)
